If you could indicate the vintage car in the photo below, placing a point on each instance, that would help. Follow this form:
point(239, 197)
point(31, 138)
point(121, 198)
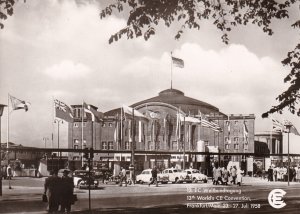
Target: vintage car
point(176, 175)
point(82, 179)
point(196, 175)
point(146, 177)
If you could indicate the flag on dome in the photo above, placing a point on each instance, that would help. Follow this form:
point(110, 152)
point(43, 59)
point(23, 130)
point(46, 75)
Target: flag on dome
point(18, 104)
point(177, 62)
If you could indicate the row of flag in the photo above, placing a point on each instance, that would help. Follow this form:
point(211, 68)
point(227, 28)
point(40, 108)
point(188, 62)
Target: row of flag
point(65, 112)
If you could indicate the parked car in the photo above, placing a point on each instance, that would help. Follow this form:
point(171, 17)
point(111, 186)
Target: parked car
point(196, 175)
point(82, 179)
point(176, 175)
point(146, 177)
point(61, 172)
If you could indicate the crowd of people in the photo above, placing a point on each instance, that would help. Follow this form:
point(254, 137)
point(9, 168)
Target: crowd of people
point(281, 174)
point(59, 192)
point(223, 176)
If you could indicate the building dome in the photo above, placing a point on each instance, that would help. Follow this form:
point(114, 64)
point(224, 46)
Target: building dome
point(178, 99)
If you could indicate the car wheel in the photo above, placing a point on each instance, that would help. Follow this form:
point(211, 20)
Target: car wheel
point(140, 181)
point(176, 180)
point(195, 180)
point(78, 183)
point(205, 181)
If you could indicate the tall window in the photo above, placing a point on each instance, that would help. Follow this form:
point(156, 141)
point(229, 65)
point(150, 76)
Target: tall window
point(127, 145)
point(174, 145)
point(246, 146)
point(226, 146)
point(236, 146)
point(109, 124)
point(75, 146)
point(226, 139)
point(110, 145)
point(76, 141)
point(104, 145)
point(76, 125)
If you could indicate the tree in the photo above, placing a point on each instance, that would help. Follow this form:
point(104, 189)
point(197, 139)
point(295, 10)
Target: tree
point(145, 15)
point(6, 9)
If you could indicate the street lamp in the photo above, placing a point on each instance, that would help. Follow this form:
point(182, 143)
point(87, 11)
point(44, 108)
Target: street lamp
point(288, 128)
point(1, 113)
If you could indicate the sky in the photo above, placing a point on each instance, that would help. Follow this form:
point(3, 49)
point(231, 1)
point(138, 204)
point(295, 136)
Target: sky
point(59, 49)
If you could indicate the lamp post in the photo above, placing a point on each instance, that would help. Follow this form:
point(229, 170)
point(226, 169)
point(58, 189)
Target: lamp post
point(288, 128)
point(1, 113)
point(58, 122)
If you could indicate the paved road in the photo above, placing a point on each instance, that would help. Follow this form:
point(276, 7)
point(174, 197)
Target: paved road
point(25, 197)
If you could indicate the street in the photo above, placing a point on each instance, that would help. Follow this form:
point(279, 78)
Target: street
point(25, 197)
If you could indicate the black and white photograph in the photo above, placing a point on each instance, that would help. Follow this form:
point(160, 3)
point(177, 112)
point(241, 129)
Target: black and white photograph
point(149, 106)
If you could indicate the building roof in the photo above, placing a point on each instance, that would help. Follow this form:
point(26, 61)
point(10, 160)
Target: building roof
point(178, 99)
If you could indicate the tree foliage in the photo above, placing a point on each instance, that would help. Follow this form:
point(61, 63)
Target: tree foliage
point(6, 9)
point(145, 15)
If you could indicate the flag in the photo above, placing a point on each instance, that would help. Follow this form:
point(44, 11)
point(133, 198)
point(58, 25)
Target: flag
point(188, 119)
point(18, 104)
point(277, 125)
point(292, 127)
point(95, 115)
point(228, 125)
point(63, 111)
point(177, 62)
point(129, 112)
point(245, 131)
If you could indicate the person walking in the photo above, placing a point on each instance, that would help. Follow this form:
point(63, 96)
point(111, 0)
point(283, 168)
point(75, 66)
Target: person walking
point(9, 172)
point(123, 177)
point(233, 174)
point(52, 189)
point(225, 175)
point(270, 174)
point(154, 176)
point(67, 189)
point(298, 174)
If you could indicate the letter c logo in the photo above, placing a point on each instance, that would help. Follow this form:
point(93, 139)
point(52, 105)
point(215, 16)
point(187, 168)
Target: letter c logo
point(275, 198)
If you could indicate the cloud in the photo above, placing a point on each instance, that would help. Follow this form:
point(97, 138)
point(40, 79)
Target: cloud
point(67, 70)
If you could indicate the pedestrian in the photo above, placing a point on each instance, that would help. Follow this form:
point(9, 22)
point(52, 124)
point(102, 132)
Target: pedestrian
point(154, 176)
point(298, 174)
point(218, 176)
point(270, 174)
point(67, 190)
point(225, 176)
point(9, 172)
point(275, 173)
point(233, 173)
point(123, 177)
point(52, 189)
point(4, 172)
point(239, 176)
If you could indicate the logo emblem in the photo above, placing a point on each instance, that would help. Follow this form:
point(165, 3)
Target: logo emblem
point(275, 198)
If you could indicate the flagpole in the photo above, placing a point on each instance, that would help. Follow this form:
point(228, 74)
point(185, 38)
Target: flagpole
point(171, 69)
point(7, 143)
point(82, 112)
point(53, 118)
point(183, 143)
